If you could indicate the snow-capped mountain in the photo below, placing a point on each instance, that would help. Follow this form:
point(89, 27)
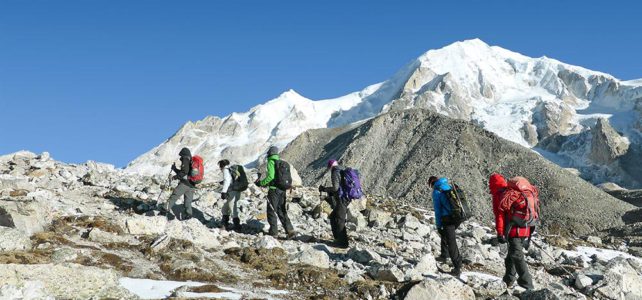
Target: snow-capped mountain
point(537, 102)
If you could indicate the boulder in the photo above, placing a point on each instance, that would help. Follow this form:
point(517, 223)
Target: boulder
point(621, 280)
point(410, 222)
point(266, 242)
point(87, 282)
point(311, 257)
point(139, 225)
point(386, 273)
point(485, 285)
point(440, 288)
point(194, 231)
point(582, 281)
point(363, 256)
point(12, 239)
point(426, 265)
point(25, 290)
point(378, 218)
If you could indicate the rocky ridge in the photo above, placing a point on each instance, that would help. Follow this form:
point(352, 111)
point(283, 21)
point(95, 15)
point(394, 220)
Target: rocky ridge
point(79, 231)
point(397, 152)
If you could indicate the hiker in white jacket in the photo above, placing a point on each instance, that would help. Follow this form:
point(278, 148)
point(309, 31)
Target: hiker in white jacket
point(230, 196)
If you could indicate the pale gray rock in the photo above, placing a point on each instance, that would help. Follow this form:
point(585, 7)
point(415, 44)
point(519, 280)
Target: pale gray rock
point(311, 257)
point(621, 280)
point(363, 256)
point(386, 273)
point(26, 290)
point(439, 289)
point(12, 239)
point(606, 144)
point(378, 218)
point(88, 282)
point(267, 242)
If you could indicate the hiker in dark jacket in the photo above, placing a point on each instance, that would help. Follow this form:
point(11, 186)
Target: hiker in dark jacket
point(339, 205)
point(515, 236)
point(276, 208)
point(185, 187)
point(445, 229)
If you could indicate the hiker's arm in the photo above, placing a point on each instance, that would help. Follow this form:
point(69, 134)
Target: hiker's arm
point(336, 180)
point(270, 173)
point(436, 203)
point(227, 180)
point(184, 171)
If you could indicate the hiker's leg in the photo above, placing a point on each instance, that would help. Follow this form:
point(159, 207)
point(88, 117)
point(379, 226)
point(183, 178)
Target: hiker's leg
point(453, 249)
point(282, 212)
point(179, 190)
point(271, 212)
point(443, 243)
point(234, 198)
point(341, 216)
point(519, 263)
point(189, 196)
point(509, 276)
point(333, 218)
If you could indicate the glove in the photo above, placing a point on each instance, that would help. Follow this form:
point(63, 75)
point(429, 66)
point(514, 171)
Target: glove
point(224, 196)
point(526, 244)
point(321, 189)
point(174, 167)
point(257, 182)
point(501, 239)
point(176, 177)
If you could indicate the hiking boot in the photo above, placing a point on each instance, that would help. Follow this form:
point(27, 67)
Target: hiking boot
point(225, 222)
point(291, 234)
point(456, 272)
point(237, 224)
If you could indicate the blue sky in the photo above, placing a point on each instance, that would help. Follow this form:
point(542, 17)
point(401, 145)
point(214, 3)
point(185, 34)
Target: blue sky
point(109, 80)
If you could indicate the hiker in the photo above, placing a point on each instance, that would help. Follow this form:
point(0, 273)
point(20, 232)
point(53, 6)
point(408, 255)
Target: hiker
point(185, 187)
point(339, 205)
point(276, 208)
point(230, 196)
point(506, 203)
point(445, 228)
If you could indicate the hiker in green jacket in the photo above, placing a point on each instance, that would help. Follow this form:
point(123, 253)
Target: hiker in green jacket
point(276, 208)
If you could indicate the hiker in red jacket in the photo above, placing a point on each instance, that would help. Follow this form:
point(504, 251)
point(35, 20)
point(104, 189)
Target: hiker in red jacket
point(506, 203)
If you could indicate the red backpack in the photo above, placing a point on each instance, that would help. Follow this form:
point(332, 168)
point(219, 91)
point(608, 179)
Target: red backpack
point(522, 200)
point(197, 170)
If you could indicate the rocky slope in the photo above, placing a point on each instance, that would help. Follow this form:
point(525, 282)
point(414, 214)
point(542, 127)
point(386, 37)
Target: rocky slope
point(397, 152)
point(81, 231)
point(525, 100)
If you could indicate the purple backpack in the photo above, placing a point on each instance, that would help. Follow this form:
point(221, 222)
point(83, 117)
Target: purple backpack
point(350, 187)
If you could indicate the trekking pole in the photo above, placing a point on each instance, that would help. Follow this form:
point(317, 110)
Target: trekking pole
point(551, 257)
point(169, 181)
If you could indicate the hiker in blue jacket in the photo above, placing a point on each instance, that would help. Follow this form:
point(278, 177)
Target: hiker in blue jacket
point(446, 229)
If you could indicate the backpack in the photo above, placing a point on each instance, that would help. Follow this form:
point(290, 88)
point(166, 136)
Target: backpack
point(196, 170)
point(524, 209)
point(282, 176)
point(239, 179)
point(460, 211)
point(350, 186)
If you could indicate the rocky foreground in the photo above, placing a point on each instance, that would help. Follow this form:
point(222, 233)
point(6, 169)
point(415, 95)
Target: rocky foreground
point(90, 231)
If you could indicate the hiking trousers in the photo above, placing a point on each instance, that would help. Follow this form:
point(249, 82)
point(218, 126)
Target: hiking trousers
point(516, 264)
point(449, 244)
point(187, 192)
point(277, 210)
point(338, 220)
point(230, 207)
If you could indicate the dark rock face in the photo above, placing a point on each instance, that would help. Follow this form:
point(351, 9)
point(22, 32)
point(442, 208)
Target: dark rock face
point(396, 153)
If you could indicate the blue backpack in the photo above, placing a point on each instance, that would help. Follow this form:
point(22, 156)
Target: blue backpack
point(350, 187)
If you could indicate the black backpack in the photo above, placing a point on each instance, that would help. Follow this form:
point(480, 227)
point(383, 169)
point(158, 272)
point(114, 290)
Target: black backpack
point(282, 176)
point(460, 211)
point(239, 179)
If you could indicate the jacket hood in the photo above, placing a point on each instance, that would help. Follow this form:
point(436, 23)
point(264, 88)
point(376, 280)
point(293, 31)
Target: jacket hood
point(274, 156)
point(496, 182)
point(272, 151)
point(185, 152)
point(442, 184)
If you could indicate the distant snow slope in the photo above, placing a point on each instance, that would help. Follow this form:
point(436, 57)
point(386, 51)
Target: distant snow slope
point(523, 99)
